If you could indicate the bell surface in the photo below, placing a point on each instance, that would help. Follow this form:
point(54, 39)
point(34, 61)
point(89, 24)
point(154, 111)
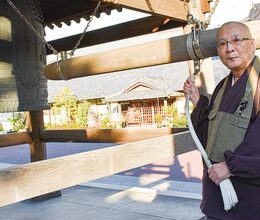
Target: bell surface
point(23, 87)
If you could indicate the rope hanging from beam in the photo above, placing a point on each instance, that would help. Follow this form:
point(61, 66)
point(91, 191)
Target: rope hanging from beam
point(228, 192)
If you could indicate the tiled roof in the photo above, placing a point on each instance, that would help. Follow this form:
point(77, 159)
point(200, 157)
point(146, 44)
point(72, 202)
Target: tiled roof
point(137, 95)
point(150, 88)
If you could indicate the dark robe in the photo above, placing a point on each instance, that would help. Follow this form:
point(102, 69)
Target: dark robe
point(243, 162)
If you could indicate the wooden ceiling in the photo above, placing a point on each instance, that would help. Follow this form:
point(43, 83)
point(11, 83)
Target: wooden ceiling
point(57, 11)
point(166, 14)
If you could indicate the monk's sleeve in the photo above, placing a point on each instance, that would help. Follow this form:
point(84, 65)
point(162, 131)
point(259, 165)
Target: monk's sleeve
point(199, 119)
point(245, 160)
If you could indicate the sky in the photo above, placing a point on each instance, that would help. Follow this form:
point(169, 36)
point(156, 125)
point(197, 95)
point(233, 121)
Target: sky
point(104, 20)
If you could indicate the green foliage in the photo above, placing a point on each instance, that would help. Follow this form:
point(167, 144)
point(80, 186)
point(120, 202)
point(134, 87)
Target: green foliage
point(1, 127)
point(158, 120)
point(66, 99)
point(55, 110)
point(18, 121)
point(82, 114)
point(105, 123)
point(172, 112)
point(180, 121)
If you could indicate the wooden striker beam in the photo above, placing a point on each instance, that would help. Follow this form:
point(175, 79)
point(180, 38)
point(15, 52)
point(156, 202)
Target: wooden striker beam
point(171, 50)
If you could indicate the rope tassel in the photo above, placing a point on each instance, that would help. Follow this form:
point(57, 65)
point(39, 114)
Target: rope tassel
point(228, 192)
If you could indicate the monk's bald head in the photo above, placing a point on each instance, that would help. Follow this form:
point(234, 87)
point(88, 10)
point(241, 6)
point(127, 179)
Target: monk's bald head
point(240, 28)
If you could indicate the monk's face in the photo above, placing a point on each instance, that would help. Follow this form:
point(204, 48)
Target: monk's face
point(235, 47)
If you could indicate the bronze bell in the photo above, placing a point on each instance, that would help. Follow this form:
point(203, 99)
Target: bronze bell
point(23, 86)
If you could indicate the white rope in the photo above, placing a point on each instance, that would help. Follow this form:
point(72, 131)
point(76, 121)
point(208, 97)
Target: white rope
point(228, 192)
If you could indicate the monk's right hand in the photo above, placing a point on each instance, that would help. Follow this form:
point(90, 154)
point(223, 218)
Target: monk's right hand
point(190, 88)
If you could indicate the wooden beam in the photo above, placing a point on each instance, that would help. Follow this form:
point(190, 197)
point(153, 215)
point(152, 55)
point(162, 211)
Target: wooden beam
point(38, 148)
point(15, 139)
point(35, 126)
point(169, 8)
point(30, 180)
point(144, 54)
point(205, 6)
point(54, 12)
point(115, 32)
point(106, 135)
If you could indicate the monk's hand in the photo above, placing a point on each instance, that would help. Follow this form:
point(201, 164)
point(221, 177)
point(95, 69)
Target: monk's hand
point(190, 89)
point(219, 172)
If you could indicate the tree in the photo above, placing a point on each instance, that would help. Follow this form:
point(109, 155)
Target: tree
point(66, 99)
point(82, 113)
point(18, 121)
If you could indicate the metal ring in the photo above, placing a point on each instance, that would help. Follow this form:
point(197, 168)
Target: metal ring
point(189, 46)
point(196, 47)
point(193, 47)
point(60, 74)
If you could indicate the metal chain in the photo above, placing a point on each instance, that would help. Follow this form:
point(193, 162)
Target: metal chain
point(186, 6)
point(207, 22)
point(192, 20)
point(85, 29)
point(149, 6)
point(30, 25)
point(197, 25)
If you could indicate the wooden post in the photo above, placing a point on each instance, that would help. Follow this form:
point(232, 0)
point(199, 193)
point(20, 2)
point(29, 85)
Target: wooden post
point(153, 120)
point(165, 103)
point(35, 126)
point(142, 114)
point(206, 77)
point(38, 148)
point(109, 111)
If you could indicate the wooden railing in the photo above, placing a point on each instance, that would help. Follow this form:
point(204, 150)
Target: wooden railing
point(30, 180)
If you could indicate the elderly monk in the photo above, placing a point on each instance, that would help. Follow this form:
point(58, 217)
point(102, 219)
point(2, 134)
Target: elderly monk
point(229, 126)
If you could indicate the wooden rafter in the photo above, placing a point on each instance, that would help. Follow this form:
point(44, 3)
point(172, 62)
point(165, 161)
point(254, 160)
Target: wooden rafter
point(116, 32)
point(205, 6)
point(169, 8)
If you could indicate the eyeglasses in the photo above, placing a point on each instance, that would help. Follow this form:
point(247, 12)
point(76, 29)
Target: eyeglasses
point(236, 41)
